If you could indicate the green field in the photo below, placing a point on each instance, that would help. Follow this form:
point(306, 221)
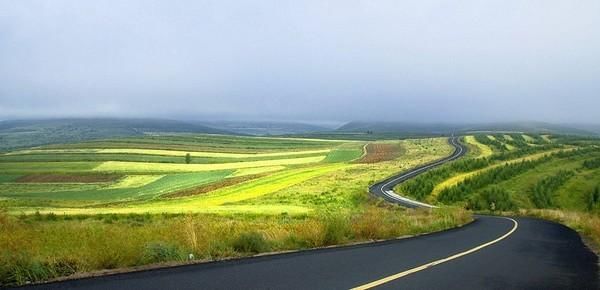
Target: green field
point(281, 174)
point(60, 199)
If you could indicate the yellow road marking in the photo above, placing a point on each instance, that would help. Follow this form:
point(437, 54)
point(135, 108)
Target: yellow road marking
point(437, 262)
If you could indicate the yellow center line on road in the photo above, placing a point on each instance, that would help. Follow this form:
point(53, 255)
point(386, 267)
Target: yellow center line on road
point(437, 262)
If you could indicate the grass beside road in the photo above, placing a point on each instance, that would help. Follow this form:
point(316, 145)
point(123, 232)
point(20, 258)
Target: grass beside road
point(40, 247)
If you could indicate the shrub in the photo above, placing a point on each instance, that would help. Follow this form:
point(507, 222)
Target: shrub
point(369, 224)
point(542, 193)
point(157, 252)
point(492, 199)
point(593, 198)
point(337, 228)
point(592, 163)
point(22, 269)
point(251, 242)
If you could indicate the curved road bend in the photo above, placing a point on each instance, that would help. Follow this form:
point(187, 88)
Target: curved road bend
point(490, 253)
point(384, 188)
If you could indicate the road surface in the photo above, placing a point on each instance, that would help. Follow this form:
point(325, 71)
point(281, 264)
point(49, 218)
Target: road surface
point(489, 253)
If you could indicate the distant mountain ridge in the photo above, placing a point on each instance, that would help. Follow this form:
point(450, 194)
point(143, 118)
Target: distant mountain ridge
point(27, 133)
point(407, 128)
point(267, 127)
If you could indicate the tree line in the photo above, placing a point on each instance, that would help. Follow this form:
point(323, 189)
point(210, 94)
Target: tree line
point(593, 198)
point(421, 186)
point(494, 198)
point(591, 163)
point(542, 193)
point(483, 139)
point(470, 185)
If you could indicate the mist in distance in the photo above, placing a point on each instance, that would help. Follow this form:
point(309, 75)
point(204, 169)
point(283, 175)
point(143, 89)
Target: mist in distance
point(417, 61)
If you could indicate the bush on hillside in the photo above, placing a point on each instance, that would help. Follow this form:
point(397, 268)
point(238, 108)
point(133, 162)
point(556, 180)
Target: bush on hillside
point(493, 199)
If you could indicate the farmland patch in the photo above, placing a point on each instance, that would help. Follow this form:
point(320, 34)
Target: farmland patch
point(120, 166)
point(67, 178)
point(378, 152)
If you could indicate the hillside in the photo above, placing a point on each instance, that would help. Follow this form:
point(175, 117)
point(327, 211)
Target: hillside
point(266, 127)
point(407, 128)
point(26, 133)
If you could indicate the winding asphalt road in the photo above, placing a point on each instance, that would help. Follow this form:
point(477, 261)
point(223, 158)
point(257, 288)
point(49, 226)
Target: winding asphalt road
point(489, 253)
point(384, 188)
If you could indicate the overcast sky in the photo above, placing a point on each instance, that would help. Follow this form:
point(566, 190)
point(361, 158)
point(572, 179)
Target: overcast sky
point(302, 60)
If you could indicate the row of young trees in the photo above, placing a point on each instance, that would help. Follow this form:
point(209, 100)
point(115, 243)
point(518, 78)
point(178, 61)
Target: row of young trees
point(421, 186)
point(591, 163)
point(469, 186)
point(593, 198)
point(542, 193)
point(483, 139)
point(516, 140)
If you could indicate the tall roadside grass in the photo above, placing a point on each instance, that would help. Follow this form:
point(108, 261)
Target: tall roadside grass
point(38, 247)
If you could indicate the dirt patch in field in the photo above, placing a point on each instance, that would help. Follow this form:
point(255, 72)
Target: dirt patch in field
point(67, 178)
point(212, 186)
point(380, 152)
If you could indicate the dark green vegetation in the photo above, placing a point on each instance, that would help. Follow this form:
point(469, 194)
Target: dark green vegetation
point(493, 198)
point(494, 143)
point(529, 173)
point(542, 193)
point(471, 185)
point(422, 186)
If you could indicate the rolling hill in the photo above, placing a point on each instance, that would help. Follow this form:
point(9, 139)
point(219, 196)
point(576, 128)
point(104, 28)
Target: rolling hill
point(411, 129)
point(26, 133)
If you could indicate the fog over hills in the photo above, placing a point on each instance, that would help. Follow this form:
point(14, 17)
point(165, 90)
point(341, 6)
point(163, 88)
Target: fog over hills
point(26, 133)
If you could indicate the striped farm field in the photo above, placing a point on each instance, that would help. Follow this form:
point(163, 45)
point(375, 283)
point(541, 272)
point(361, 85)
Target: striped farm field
point(132, 181)
point(132, 189)
point(137, 170)
point(211, 202)
point(206, 143)
point(165, 152)
point(120, 166)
